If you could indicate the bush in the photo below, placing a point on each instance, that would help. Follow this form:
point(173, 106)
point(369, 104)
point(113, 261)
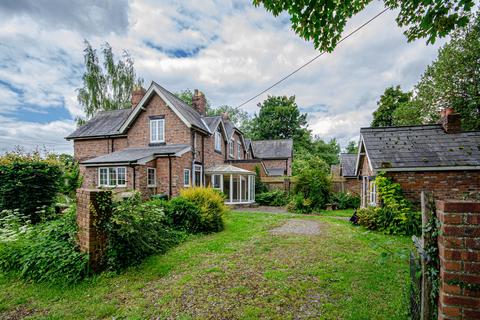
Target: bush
point(312, 188)
point(183, 214)
point(136, 230)
point(29, 184)
point(345, 200)
point(272, 198)
point(211, 205)
point(395, 216)
point(46, 252)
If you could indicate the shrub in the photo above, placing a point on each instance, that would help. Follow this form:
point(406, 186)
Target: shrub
point(183, 214)
point(312, 186)
point(345, 200)
point(211, 205)
point(46, 252)
point(136, 230)
point(395, 216)
point(28, 183)
point(272, 198)
point(260, 187)
point(300, 204)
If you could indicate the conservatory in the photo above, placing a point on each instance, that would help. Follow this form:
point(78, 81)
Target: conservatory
point(236, 183)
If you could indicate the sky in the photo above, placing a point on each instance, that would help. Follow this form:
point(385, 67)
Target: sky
point(228, 49)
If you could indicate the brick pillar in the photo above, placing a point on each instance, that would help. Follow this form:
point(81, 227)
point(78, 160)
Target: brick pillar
point(459, 252)
point(91, 238)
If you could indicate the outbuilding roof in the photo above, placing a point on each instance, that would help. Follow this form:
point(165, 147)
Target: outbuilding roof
point(227, 169)
point(273, 149)
point(348, 164)
point(421, 146)
point(138, 155)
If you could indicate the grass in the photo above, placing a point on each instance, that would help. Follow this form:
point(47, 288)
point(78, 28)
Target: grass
point(242, 273)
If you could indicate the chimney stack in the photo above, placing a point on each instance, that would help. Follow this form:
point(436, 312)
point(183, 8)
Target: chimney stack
point(450, 120)
point(199, 102)
point(137, 95)
point(225, 116)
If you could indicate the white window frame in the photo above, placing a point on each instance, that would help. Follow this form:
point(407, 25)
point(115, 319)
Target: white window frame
point(218, 141)
point(109, 184)
point(239, 150)
point(150, 185)
point(373, 193)
point(154, 124)
point(195, 167)
point(231, 147)
point(221, 181)
point(189, 178)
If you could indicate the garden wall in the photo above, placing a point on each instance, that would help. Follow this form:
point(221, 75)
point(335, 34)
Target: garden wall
point(459, 253)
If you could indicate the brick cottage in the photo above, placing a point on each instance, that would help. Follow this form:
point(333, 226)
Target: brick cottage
point(438, 158)
point(161, 145)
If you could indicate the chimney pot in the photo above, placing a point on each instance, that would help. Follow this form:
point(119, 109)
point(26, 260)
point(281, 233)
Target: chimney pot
point(450, 120)
point(199, 102)
point(137, 95)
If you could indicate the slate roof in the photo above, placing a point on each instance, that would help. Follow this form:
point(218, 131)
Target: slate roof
point(212, 122)
point(133, 155)
point(229, 128)
point(106, 123)
point(348, 163)
point(248, 142)
point(109, 123)
point(272, 149)
point(188, 112)
point(420, 146)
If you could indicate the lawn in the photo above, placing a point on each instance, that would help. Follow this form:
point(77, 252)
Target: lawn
point(244, 272)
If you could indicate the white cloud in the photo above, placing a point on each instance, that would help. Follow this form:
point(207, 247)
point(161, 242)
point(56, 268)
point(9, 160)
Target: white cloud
point(241, 50)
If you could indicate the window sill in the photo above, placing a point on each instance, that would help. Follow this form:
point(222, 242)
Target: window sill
point(217, 151)
point(156, 144)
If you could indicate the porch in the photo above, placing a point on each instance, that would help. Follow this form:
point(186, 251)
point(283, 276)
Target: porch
point(236, 183)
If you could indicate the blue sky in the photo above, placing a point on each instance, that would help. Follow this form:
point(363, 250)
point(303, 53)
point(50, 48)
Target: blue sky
point(228, 49)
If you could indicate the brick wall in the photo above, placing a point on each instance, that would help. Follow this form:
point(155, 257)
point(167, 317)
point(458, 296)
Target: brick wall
point(91, 148)
point(176, 131)
point(277, 164)
point(91, 239)
point(444, 184)
point(213, 157)
point(459, 252)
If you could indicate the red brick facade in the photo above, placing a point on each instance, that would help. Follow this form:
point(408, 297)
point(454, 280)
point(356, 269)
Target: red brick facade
point(459, 253)
point(459, 184)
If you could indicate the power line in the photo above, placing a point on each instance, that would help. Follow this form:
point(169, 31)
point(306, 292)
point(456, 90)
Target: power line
point(313, 59)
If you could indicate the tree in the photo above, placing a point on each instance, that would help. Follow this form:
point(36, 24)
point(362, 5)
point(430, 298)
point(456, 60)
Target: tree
point(324, 21)
point(392, 98)
point(352, 147)
point(239, 117)
point(108, 86)
point(280, 118)
point(453, 79)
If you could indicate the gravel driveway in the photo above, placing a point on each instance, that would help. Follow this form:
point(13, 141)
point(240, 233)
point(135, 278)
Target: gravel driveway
point(297, 226)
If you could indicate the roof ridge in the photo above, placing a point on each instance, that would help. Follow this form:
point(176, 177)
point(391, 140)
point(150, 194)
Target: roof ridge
point(420, 126)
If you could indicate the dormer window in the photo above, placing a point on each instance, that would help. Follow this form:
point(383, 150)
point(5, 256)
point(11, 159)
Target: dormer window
point(157, 130)
point(218, 140)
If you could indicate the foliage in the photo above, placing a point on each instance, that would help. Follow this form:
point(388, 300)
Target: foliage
point(187, 97)
point(312, 188)
point(324, 21)
point(183, 214)
point(352, 147)
point(392, 99)
point(211, 204)
point(432, 270)
point(345, 200)
point(276, 198)
point(136, 230)
point(280, 118)
point(107, 87)
point(28, 183)
point(47, 252)
point(395, 216)
point(239, 117)
point(453, 79)
point(71, 179)
point(260, 187)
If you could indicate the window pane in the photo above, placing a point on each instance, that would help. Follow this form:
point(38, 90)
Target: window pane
point(186, 177)
point(121, 176)
point(216, 181)
point(103, 177)
point(112, 177)
point(160, 130)
point(151, 176)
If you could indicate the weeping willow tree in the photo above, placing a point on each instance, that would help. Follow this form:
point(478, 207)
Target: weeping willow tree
point(107, 85)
